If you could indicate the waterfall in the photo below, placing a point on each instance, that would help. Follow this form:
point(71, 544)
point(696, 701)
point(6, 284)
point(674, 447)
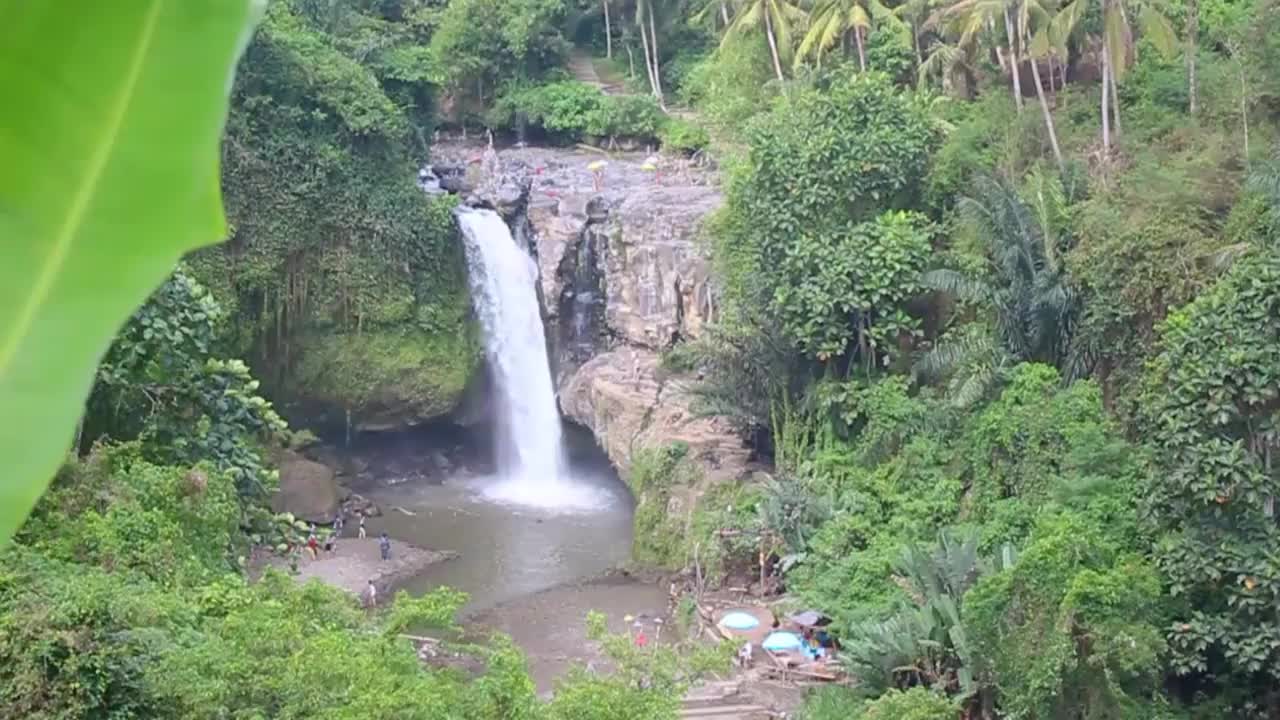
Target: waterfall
point(503, 279)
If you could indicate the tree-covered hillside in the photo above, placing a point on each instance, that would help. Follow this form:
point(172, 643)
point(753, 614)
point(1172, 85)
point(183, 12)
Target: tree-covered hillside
point(998, 307)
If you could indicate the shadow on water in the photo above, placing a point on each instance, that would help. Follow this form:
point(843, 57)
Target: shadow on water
point(507, 551)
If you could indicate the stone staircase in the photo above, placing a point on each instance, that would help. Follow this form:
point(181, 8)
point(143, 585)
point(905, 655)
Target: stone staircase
point(722, 700)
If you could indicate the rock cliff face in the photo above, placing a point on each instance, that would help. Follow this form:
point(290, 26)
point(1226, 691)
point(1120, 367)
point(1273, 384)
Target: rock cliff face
point(623, 275)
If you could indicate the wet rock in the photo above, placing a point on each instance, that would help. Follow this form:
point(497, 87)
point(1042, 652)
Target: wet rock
point(307, 489)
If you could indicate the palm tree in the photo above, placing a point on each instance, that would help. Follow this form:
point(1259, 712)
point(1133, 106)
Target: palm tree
point(915, 13)
point(1028, 292)
point(1117, 41)
point(968, 18)
point(779, 18)
point(644, 19)
point(831, 20)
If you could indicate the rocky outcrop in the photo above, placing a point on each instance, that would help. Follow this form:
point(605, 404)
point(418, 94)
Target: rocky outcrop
point(657, 276)
point(380, 379)
point(307, 489)
point(625, 399)
point(624, 274)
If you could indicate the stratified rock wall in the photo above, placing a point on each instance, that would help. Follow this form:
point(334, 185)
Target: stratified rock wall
point(624, 275)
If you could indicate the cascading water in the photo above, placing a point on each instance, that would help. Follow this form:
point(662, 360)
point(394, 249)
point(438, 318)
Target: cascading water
point(504, 291)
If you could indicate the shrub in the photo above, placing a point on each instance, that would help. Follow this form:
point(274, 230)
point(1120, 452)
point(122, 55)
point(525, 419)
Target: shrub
point(680, 135)
point(571, 111)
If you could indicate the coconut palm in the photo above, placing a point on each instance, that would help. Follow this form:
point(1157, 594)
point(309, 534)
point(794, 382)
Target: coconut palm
point(779, 20)
point(1117, 44)
point(915, 13)
point(968, 19)
point(832, 20)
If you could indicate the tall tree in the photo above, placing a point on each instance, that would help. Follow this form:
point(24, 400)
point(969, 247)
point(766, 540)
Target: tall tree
point(969, 18)
point(778, 19)
point(1193, 49)
point(832, 20)
point(608, 31)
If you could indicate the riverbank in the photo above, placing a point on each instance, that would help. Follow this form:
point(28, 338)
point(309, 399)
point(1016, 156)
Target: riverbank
point(355, 562)
point(551, 625)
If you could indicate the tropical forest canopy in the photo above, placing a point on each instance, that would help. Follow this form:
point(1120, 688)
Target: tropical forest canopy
point(1005, 274)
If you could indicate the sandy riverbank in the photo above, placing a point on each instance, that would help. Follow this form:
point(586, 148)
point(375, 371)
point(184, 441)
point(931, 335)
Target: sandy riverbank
point(551, 626)
point(355, 562)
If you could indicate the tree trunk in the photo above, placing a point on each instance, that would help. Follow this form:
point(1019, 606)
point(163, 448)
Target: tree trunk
point(1193, 49)
point(1244, 108)
point(1013, 60)
point(1048, 118)
point(608, 32)
point(657, 67)
point(1115, 99)
point(1106, 105)
point(724, 13)
point(862, 51)
point(631, 61)
point(648, 64)
point(773, 45)
point(915, 39)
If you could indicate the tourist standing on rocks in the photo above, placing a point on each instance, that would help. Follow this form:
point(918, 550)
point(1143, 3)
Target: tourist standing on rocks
point(384, 544)
point(313, 547)
point(362, 533)
point(338, 521)
point(371, 595)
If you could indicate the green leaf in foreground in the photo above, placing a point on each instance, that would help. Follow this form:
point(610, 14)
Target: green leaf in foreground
point(110, 131)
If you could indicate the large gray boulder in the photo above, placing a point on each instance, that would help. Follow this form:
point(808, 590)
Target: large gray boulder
point(307, 489)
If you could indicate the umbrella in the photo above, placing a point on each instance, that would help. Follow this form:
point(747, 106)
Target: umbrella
point(738, 620)
point(808, 618)
point(782, 641)
point(595, 165)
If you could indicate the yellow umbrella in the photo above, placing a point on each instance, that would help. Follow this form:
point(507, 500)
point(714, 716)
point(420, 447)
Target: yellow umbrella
point(596, 165)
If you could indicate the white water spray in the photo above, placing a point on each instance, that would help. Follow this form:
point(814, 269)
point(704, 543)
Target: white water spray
point(504, 280)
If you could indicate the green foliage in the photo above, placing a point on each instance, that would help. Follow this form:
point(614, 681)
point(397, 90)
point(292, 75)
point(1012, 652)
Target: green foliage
point(1033, 304)
point(844, 291)
point(112, 159)
point(683, 136)
point(659, 533)
point(1210, 401)
point(834, 703)
point(806, 230)
point(175, 526)
point(1072, 626)
point(119, 601)
point(572, 111)
point(159, 384)
point(332, 239)
point(477, 44)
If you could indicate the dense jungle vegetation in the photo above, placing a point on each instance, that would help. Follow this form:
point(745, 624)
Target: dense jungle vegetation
point(1006, 275)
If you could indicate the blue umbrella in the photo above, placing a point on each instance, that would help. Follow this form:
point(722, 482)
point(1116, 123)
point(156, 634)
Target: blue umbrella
point(740, 621)
point(782, 641)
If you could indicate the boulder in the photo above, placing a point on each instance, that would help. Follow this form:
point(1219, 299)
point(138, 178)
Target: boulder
point(307, 489)
point(379, 379)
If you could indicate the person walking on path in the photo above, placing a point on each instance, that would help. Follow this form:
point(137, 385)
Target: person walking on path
point(362, 532)
point(313, 547)
point(384, 544)
point(339, 521)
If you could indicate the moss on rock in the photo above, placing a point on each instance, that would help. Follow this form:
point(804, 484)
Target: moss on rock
point(385, 379)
